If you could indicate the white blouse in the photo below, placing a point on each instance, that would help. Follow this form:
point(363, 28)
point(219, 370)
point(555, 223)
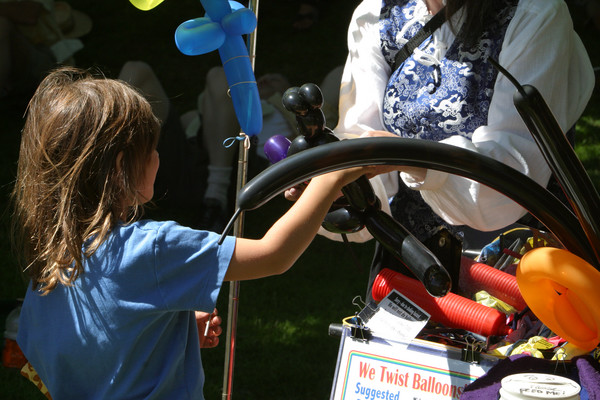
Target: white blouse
point(540, 48)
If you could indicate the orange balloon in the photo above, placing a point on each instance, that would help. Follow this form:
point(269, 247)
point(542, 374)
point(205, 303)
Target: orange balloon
point(563, 291)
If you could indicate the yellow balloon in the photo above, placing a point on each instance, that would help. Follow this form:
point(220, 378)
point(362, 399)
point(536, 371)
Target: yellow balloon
point(145, 5)
point(563, 292)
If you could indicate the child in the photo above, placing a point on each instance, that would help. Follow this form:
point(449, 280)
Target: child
point(110, 313)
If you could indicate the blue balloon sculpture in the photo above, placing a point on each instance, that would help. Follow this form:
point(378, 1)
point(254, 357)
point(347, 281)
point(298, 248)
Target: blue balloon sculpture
point(222, 28)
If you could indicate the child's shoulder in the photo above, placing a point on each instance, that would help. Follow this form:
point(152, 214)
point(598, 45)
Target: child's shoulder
point(148, 225)
point(145, 228)
point(153, 224)
point(167, 233)
point(161, 230)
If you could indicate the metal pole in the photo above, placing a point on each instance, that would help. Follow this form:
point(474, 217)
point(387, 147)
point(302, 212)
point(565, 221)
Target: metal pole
point(238, 230)
point(234, 286)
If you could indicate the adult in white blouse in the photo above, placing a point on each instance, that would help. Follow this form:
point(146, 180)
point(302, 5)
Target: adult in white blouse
point(447, 91)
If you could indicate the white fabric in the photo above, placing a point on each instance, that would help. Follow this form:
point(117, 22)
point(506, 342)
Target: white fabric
point(540, 48)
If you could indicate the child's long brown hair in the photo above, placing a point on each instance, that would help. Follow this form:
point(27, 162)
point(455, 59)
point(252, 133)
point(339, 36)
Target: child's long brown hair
point(69, 191)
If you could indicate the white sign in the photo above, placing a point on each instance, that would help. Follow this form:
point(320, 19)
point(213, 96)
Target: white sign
point(380, 369)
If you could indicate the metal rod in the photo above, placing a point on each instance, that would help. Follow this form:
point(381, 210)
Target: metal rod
point(234, 286)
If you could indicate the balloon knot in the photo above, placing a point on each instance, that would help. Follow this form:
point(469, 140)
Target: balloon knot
point(230, 141)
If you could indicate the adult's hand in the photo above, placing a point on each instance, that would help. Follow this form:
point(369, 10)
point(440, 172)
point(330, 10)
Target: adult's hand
point(417, 174)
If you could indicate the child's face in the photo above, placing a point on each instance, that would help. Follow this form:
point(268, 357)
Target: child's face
point(147, 190)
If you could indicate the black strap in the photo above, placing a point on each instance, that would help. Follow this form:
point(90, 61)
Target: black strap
point(435, 22)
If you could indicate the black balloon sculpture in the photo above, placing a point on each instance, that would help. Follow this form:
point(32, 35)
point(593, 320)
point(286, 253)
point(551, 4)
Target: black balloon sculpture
point(359, 207)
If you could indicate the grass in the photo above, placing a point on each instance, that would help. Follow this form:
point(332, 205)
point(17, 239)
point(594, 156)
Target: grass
point(588, 141)
point(283, 349)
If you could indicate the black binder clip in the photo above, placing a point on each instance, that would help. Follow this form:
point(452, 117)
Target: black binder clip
point(358, 330)
point(472, 352)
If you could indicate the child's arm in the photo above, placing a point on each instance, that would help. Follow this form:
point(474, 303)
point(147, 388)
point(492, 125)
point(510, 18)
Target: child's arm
point(287, 239)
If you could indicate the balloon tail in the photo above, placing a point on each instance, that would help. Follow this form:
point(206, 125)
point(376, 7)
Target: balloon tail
point(230, 224)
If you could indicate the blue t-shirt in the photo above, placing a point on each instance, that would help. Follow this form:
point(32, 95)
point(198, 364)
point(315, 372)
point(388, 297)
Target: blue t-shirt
point(126, 328)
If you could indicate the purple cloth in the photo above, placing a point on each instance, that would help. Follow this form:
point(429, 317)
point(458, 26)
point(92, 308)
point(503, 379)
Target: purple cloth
point(583, 369)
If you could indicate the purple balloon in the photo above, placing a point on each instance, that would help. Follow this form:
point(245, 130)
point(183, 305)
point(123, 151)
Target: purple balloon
point(276, 148)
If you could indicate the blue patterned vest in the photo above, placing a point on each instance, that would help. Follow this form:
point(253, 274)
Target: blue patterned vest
point(433, 102)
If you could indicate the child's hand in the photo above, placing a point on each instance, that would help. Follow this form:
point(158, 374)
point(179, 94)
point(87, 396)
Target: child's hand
point(417, 173)
point(209, 328)
point(344, 176)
